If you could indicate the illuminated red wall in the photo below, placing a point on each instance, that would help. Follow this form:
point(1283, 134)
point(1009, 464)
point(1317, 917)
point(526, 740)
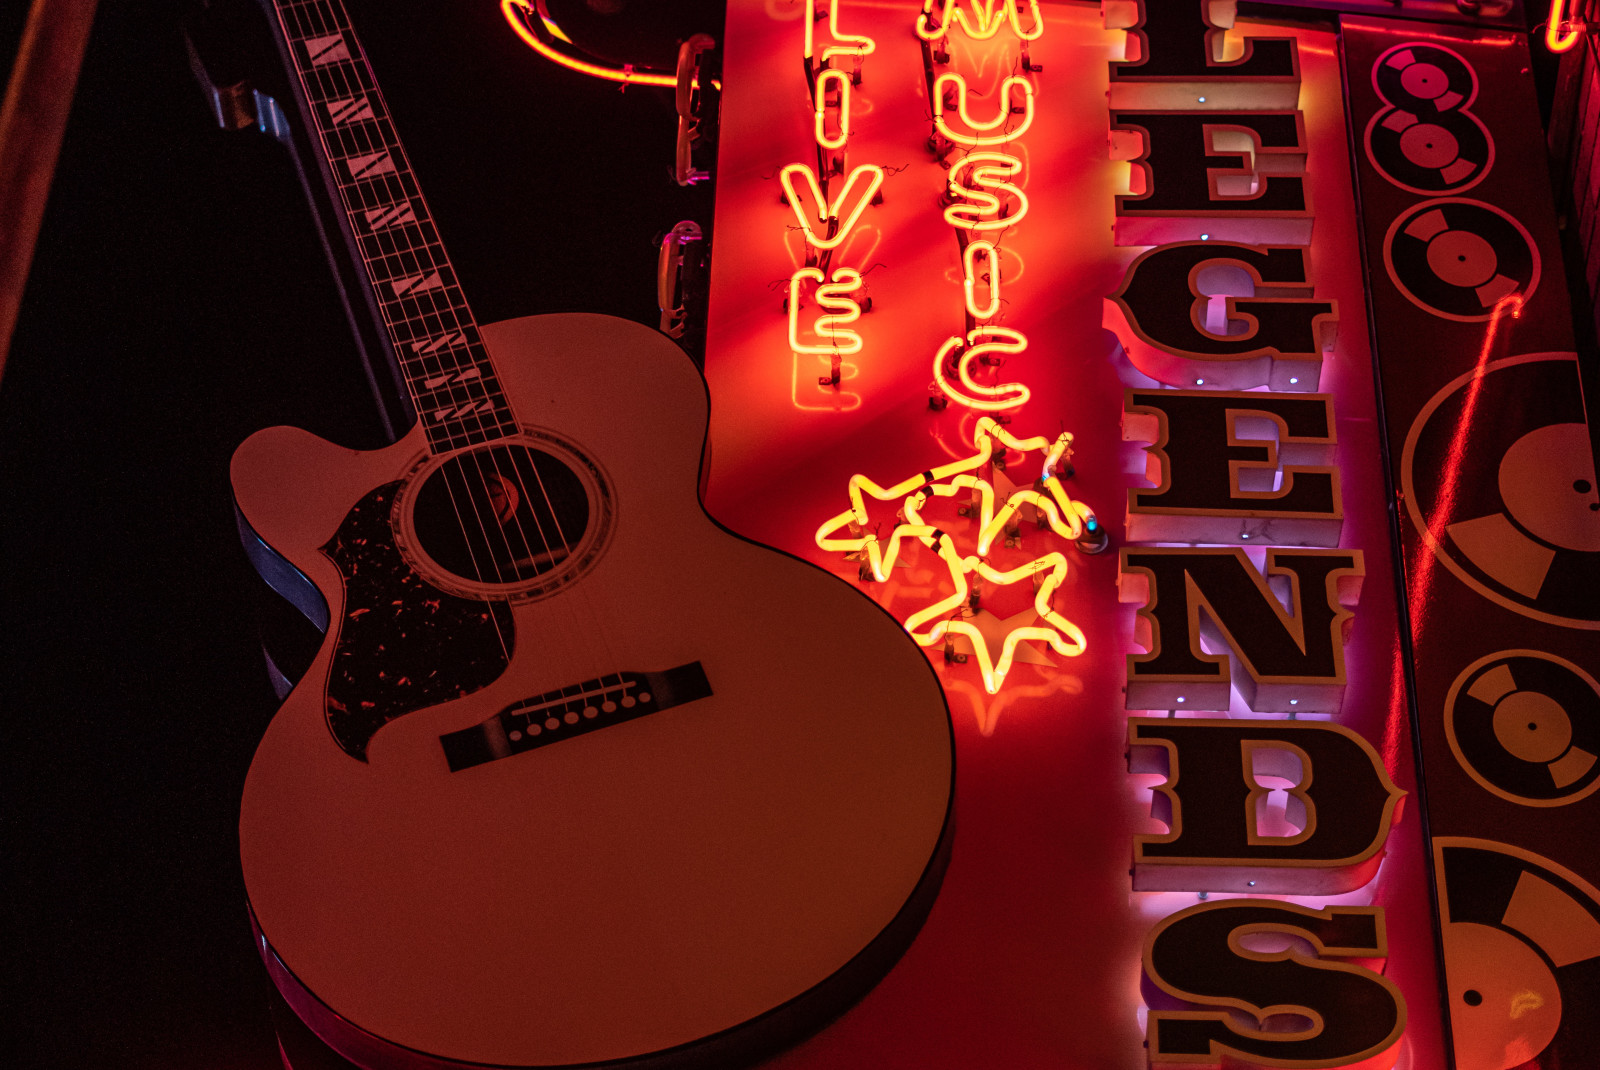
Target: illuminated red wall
point(1032, 954)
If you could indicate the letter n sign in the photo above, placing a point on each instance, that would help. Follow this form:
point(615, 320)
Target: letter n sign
point(1286, 628)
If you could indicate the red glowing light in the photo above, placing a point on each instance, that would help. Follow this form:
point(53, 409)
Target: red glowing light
point(1450, 479)
point(981, 177)
point(989, 131)
point(1559, 34)
point(519, 15)
point(826, 217)
point(981, 19)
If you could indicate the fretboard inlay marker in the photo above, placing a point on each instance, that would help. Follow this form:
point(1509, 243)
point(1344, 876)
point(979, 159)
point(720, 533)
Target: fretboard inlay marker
point(417, 284)
point(370, 164)
point(454, 338)
point(394, 215)
point(349, 111)
point(329, 49)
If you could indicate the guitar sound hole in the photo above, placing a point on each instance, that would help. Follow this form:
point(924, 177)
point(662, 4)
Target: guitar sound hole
point(502, 514)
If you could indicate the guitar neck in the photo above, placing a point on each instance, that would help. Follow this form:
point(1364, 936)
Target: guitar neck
point(448, 373)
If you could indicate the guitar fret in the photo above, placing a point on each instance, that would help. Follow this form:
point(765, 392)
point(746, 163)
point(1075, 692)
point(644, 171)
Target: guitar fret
point(459, 377)
point(358, 138)
point(411, 273)
point(387, 188)
point(409, 328)
point(416, 284)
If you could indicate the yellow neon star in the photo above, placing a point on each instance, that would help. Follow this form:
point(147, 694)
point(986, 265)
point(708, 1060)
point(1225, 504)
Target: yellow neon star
point(933, 622)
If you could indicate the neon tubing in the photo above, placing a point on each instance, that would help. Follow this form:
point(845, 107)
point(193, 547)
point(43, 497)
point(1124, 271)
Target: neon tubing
point(519, 13)
point(1557, 36)
point(833, 297)
point(829, 210)
point(1002, 114)
point(933, 622)
point(984, 22)
point(989, 171)
point(847, 44)
point(972, 394)
point(970, 274)
point(987, 432)
point(843, 80)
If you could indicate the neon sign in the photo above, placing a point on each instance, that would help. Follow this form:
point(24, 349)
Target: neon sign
point(988, 275)
point(831, 330)
point(952, 87)
point(824, 230)
point(1222, 360)
point(983, 343)
point(1560, 33)
point(836, 82)
point(845, 44)
point(1047, 503)
point(982, 178)
point(979, 19)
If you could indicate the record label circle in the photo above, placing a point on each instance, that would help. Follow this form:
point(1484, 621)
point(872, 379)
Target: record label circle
point(1458, 259)
point(1525, 725)
point(1521, 941)
point(1510, 505)
point(1425, 138)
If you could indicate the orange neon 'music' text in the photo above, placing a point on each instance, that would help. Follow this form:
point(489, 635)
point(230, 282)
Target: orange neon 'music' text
point(981, 19)
point(980, 177)
point(980, 342)
point(985, 132)
point(988, 274)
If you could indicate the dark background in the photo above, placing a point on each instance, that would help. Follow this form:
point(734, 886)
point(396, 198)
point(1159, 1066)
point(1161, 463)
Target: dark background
point(180, 299)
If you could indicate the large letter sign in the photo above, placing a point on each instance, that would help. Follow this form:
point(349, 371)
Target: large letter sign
point(1340, 800)
point(1274, 962)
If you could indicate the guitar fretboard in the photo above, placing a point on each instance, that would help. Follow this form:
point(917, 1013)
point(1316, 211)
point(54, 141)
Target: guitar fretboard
point(447, 370)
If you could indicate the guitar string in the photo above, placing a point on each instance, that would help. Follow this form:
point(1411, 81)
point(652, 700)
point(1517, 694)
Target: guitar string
point(476, 416)
point(312, 91)
point(452, 311)
point(452, 471)
point(585, 592)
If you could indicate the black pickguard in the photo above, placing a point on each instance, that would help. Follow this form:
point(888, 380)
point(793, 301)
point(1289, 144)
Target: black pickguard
point(403, 644)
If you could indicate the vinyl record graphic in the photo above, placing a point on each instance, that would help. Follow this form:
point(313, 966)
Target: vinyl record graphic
point(1456, 258)
point(1426, 140)
point(1526, 726)
point(1521, 937)
point(1509, 504)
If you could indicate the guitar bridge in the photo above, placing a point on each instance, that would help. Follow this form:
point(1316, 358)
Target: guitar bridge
point(571, 711)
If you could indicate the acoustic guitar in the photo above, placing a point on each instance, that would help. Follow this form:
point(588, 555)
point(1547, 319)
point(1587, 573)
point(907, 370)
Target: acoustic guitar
point(577, 777)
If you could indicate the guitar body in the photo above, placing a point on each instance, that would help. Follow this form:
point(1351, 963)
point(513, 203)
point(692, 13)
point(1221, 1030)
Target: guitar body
point(693, 875)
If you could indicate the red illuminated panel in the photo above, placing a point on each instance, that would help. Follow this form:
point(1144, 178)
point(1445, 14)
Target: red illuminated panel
point(1033, 954)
